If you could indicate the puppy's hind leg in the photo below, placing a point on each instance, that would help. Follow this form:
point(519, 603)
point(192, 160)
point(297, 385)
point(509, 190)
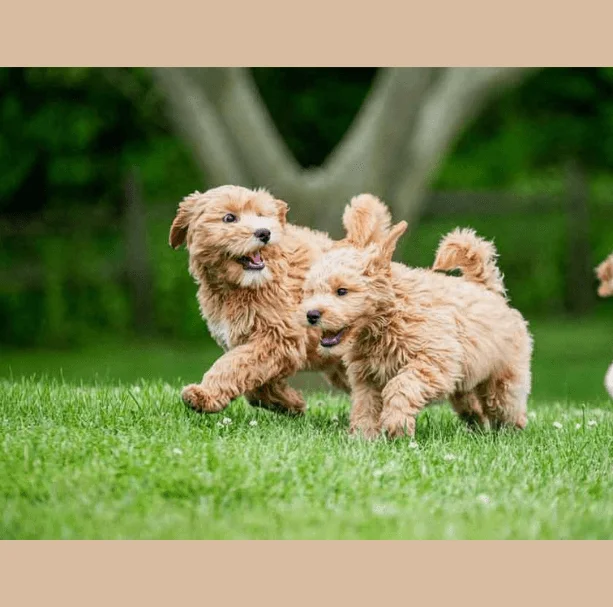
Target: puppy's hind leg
point(337, 377)
point(277, 396)
point(468, 407)
point(504, 398)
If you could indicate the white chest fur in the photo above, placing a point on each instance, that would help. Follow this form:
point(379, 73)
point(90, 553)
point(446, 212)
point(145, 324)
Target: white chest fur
point(220, 330)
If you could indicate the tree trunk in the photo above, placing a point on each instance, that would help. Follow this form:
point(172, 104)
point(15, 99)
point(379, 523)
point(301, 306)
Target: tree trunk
point(407, 123)
point(580, 289)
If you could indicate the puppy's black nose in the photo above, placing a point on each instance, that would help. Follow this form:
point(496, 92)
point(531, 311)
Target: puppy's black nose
point(262, 234)
point(313, 316)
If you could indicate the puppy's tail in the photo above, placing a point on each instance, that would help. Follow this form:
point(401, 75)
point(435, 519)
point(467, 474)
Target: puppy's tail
point(476, 258)
point(367, 220)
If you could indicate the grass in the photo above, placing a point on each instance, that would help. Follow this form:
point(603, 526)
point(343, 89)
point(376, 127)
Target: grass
point(132, 462)
point(89, 456)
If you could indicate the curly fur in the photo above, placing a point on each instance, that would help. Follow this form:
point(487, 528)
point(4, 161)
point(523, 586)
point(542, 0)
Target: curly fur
point(463, 250)
point(604, 273)
point(252, 314)
point(366, 221)
point(412, 336)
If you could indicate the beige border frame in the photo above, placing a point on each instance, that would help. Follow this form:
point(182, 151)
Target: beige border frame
point(317, 33)
point(305, 573)
point(67, 32)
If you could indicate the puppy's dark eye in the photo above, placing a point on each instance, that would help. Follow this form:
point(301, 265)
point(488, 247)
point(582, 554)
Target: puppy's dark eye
point(230, 218)
point(341, 292)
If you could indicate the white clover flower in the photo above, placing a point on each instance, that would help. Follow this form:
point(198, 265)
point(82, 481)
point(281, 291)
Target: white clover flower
point(484, 499)
point(557, 425)
point(449, 457)
point(532, 414)
point(592, 423)
point(253, 423)
point(177, 451)
point(384, 509)
point(577, 426)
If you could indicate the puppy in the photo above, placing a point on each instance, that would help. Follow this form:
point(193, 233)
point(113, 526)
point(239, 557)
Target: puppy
point(249, 265)
point(604, 272)
point(409, 337)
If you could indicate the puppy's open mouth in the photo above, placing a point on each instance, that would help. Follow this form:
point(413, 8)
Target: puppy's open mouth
point(252, 262)
point(329, 338)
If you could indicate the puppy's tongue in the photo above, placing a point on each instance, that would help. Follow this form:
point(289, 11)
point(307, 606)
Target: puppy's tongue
point(252, 262)
point(327, 341)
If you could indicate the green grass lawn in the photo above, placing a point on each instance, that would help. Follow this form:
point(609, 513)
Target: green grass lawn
point(104, 458)
point(119, 462)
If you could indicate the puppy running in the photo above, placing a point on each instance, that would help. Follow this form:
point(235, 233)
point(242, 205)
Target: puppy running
point(411, 336)
point(604, 272)
point(250, 265)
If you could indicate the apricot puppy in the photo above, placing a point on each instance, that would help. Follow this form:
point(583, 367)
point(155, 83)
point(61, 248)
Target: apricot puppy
point(412, 336)
point(250, 264)
point(604, 272)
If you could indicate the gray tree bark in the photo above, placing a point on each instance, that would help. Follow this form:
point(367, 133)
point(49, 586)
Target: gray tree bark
point(408, 121)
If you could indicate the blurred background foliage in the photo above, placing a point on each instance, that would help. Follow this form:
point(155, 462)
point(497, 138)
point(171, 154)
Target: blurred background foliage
point(69, 139)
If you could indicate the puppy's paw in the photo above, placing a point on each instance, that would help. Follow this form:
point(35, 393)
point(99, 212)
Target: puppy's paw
point(364, 432)
point(196, 397)
point(396, 426)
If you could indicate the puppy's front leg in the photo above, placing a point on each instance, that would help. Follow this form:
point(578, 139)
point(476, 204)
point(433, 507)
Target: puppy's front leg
point(242, 369)
point(404, 396)
point(366, 403)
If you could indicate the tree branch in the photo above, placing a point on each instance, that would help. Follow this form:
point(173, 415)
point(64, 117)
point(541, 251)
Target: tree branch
point(251, 128)
point(199, 122)
point(366, 152)
point(451, 105)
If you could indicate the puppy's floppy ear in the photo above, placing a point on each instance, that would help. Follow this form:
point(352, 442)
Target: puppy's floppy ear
point(178, 229)
point(282, 210)
point(381, 259)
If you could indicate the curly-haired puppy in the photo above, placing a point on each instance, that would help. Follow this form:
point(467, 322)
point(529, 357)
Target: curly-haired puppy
point(250, 265)
point(604, 272)
point(413, 336)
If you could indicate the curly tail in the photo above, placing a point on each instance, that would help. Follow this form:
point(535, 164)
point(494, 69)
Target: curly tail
point(367, 220)
point(476, 258)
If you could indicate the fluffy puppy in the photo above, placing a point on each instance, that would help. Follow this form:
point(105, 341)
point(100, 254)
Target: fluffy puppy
point(411, 336)
point(249, 265)
point(604, 272)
